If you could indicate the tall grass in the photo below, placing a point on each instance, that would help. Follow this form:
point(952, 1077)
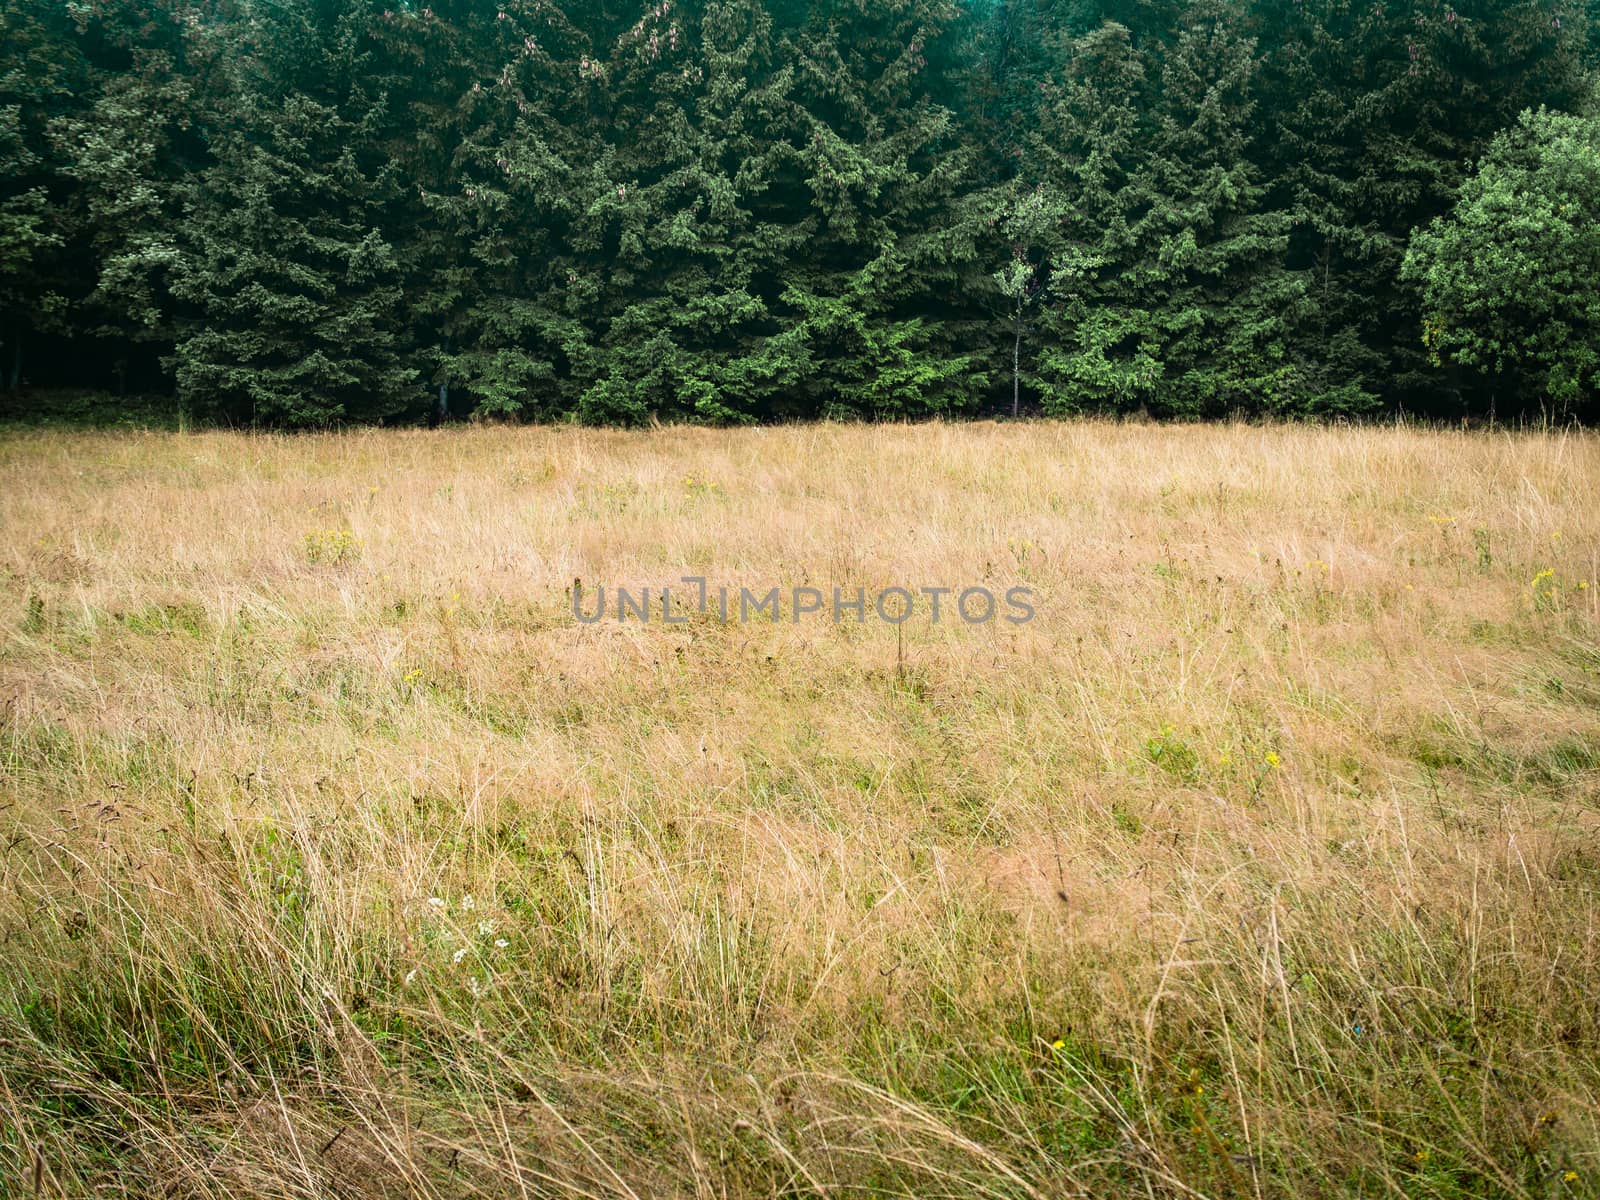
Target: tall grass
point(340, 860)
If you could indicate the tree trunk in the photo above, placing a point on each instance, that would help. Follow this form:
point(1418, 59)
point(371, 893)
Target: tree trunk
point(16, 361)
point(443, 413)
point(1016, 371)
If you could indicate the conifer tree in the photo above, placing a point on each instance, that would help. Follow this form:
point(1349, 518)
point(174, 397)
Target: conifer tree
point(736, 210)
point(291, 293)
point(1168, 289)
point(1229, 308)
point(886, 171)
point(485, 124)
point(694, 218)
point(40, 77)
point(154, 82)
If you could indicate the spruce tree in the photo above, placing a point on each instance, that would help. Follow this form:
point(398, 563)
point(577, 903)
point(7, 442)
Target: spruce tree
point(154, 97)
point(878, 291)
point(1167, 288)
point(735, 210)
point(695, 222)
point(485, 125)
point(41, 74)
point(1229, 308)
point(291, 294)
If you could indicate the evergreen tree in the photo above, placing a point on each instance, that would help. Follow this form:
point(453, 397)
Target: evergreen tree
point(153, 87)
point(886, 171)
point(485, 124)
point(736, 210)
point(1229, 306)
point(292, 294)
point(696, 219)
point(40, 76)
point(1168, 289)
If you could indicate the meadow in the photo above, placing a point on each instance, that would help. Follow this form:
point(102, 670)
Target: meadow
point(337, 859)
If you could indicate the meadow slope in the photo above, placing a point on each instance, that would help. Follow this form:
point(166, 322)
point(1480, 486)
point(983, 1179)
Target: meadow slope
point(340, 860)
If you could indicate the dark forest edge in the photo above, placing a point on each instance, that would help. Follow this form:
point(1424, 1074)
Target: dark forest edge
point(54, 410)
point(303, 213)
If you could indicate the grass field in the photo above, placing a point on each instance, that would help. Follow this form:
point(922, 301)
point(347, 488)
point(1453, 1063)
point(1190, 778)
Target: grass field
point(339, 859)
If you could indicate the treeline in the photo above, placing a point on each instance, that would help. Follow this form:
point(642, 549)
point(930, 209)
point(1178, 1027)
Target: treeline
point(300, 212)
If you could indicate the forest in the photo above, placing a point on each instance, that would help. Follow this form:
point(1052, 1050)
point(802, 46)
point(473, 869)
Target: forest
point(305, 213)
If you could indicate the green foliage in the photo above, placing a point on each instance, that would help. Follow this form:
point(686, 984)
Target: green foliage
point(292, 295)
point(1510, 279)
point(691, 225)
point(486, 125)
point(1375, 112)
point(724, 211)
point(1167, 284)
point(38, 77)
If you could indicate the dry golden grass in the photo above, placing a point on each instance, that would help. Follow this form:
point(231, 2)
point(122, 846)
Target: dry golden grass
point(1265, 861)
